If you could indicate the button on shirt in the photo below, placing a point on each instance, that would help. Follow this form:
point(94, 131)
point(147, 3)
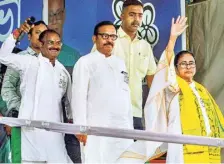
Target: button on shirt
point(139, 61)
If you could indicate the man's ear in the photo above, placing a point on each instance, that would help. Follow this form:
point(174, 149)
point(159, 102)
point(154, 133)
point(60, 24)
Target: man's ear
point(122, 16)
point(94, 39)
point(41, 44)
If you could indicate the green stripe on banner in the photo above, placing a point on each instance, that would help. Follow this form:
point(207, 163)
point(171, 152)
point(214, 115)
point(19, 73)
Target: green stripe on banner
point(16, 145)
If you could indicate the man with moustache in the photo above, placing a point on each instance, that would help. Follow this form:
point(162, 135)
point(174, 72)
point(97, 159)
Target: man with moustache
point(44, 81)
point(137, 54)
point(101, 96)
point(68, 57)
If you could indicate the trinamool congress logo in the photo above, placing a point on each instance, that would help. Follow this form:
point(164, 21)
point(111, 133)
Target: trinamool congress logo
point(9, 17)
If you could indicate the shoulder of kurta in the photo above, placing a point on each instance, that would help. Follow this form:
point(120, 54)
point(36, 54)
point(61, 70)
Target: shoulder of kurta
point(84, 61)
point(119, 59)
point(88, 57)
point(120, 62)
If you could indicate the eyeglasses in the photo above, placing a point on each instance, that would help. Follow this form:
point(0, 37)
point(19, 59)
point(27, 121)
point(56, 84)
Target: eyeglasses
point(51, 43)
point(57, 15)
point(187, 65)
point(106, 36)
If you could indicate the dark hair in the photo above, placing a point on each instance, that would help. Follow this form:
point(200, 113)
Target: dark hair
point(36, 24)
point(42, 35)
point(103, 23)
point(181, 53)
point(131, 2)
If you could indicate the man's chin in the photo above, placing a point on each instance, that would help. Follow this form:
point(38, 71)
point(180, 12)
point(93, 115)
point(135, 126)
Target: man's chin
point(134, 29)
point(52, 56)
point(109, 49)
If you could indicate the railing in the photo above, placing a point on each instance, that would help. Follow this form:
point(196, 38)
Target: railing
point(114, 132)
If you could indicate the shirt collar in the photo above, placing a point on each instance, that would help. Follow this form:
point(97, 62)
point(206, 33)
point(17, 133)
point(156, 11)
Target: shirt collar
point(122, 34)
point(31, 51)
point(41, 57)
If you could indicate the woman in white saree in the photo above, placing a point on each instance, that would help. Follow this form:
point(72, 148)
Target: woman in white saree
point(178, 105)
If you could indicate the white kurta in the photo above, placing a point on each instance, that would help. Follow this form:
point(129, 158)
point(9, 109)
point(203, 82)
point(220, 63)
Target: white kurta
point(101, 97)
point(42, 87)
point(162, 114)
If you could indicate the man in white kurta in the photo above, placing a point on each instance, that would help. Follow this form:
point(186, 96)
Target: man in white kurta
point(101, 97)
point(44, 81)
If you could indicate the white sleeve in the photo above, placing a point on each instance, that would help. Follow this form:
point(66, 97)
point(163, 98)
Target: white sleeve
point(80, 92)
point(17, 62)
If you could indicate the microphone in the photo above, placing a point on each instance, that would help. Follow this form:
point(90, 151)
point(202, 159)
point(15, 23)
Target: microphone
point(29, 22)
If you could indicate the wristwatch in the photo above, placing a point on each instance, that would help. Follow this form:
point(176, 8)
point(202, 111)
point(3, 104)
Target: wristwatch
point(13, 113)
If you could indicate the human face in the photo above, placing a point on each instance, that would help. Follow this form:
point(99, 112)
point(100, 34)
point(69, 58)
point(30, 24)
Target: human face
point(51, 46)
point(56, 15)
point(186, 67)
point(132, 18)
point(34, 36)
point(105, 38)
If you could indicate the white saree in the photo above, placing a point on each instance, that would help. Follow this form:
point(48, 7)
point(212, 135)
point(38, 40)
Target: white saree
point(161, 115)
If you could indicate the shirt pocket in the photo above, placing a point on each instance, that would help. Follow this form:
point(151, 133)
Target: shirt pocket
point(62, 84)
point(124, 80)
